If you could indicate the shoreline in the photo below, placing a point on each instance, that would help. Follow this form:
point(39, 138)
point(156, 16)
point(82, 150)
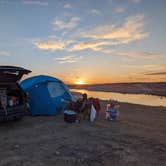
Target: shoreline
point(122, 92)
point(78, 95)
point(157, 89)
point(162, 108)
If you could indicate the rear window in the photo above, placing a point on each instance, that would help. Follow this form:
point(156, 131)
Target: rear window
point(55, 89)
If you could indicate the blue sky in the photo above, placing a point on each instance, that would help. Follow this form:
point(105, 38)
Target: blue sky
point(96, 41)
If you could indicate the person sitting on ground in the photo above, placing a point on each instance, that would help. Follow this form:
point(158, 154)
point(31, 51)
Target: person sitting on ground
point(112, 111)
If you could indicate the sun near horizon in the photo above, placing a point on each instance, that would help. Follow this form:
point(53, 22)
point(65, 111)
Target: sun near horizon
point(80, 82)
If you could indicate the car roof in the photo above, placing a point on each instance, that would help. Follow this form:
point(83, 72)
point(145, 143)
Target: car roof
point(12, 73)
point(14, 69)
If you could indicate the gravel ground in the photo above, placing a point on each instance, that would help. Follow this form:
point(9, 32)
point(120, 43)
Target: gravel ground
point(137, 138)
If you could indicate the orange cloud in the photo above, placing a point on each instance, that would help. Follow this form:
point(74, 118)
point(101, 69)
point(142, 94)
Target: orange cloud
point(106, 35)
point(68, 59)
point(96, 46)
point(158, 73)
point(132, 29)
point(50, 45)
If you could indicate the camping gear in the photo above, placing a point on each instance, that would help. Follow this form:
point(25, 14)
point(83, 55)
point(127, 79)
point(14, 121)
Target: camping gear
point(12, 96)
point(46, 95)
point(69, 116)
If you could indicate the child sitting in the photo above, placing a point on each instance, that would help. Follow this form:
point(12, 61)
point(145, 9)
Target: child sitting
point(112, 111)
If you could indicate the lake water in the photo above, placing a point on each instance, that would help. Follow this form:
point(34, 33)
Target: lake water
point(151, 100)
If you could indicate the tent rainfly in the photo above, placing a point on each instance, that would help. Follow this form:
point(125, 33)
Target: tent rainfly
point(46, 95)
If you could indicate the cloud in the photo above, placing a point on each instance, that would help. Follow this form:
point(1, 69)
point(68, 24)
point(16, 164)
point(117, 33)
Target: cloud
point(130, 30)
point(50, 45)
point(53, 44)
point(144, 55)
point(148, 67)
point(68, 59)
point(133, 54)
point(155, 67)
point(61, 24)
point(107, 51)
point(38, 3)
point(120, 9)
point(96, 46)
point(99, 37)
point(69, 45)
point(147, 72)
point(67, 6)
point(95, 12)
point(158, 73)
point(4, 53)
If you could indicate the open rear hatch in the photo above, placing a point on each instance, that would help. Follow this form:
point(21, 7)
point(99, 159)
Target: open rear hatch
point(12, 97)
point(12, 73)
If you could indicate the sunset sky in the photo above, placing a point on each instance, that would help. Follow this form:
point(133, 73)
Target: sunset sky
point(91, 41)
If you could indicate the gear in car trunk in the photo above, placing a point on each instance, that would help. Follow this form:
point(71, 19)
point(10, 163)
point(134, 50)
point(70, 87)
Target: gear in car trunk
point(12, 97)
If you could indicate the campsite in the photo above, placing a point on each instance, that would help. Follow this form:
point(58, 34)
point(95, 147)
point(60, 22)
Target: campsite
point(48, 135)
point(83, 83)
point(138, 137)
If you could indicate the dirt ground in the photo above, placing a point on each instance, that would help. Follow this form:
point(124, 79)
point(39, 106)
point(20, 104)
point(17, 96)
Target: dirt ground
point(137, 138)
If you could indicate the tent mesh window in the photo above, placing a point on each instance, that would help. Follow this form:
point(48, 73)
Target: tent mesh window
point(55, 89)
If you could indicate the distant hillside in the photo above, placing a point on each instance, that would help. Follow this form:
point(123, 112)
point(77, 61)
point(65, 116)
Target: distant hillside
point(153, 88)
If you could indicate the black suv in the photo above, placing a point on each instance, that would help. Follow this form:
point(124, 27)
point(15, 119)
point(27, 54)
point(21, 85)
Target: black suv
point(12, 97)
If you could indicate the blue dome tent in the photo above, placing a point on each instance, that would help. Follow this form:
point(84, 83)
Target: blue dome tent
point(46, 95)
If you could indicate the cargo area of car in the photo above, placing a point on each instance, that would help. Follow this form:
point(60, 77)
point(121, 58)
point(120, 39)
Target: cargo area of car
point(10, 97)
point(12, 101)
